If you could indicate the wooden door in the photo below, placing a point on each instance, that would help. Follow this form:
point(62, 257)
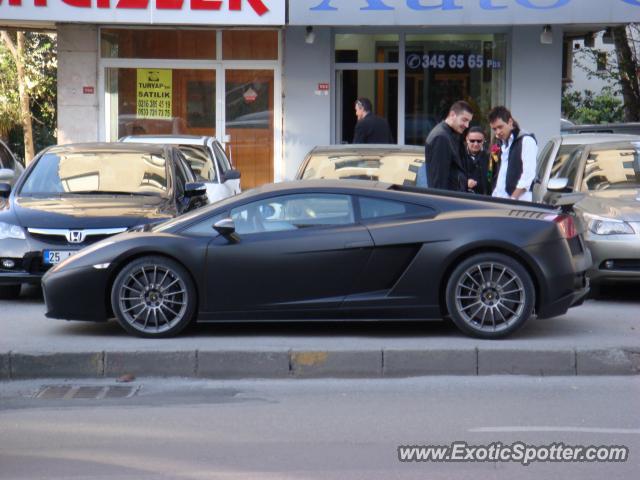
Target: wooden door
point(249, 101)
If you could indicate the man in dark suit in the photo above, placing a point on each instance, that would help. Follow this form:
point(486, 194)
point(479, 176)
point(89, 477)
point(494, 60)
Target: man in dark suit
point(445, 166)
point(370, 128)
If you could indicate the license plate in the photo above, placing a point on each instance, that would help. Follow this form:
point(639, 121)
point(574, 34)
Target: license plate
point(51, 257)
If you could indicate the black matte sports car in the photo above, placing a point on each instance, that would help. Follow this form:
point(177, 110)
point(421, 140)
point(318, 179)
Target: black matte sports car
point(74, 195)
point(332, 250)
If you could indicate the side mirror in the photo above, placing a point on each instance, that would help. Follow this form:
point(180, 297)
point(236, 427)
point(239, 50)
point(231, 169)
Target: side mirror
point(5, 190)
point(559, 185)
point(194, 189)
point(6, 174)
point(231, 175)
point(225, 227)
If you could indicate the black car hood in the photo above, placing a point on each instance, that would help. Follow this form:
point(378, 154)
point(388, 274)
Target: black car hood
point(91, 211)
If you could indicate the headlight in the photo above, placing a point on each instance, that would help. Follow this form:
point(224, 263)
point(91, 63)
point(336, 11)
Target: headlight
point(11, 231)
point(608, 226)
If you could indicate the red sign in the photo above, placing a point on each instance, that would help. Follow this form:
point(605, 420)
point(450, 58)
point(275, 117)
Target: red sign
point(234, 5)
point(323, 87)
point(88, 90)
point(250, 96)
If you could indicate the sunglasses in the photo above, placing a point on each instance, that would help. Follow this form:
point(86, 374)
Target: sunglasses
point(475, 141)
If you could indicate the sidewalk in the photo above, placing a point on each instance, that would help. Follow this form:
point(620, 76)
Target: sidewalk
point(599, 338)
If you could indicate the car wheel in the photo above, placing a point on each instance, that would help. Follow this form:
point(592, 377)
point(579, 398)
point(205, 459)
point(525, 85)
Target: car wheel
point(9, 292)
point(153, 297)
point(490, 295)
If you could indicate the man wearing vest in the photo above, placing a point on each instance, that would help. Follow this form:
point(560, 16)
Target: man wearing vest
point(519, 150)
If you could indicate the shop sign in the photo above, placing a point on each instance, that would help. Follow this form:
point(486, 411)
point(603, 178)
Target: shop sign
point(154, 93)
point(175, 12)
point(250, 96)
point(460, 12)
point(451, 61)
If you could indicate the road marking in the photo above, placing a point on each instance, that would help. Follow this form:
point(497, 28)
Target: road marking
point(621, 431)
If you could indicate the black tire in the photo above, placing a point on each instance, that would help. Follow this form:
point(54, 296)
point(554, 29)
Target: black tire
point(490, 295)
point(154, 297)
point(9, 292)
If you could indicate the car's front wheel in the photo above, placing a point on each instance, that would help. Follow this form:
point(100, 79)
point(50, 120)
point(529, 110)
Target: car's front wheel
point(490, 295)
point(154, 297)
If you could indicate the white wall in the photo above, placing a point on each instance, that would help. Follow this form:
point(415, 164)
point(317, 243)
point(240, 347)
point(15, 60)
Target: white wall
point(579, 76)
point(307, 116)
point(77, 68)
point(536, 82)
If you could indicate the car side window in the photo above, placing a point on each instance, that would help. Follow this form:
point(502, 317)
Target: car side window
point(377, 208)
point(205, 227)
point(6, 160)
point(199, 160)
point(567, 165)
point(293, 212)
point(223, 162)
point(181, 175)
point(543, 160)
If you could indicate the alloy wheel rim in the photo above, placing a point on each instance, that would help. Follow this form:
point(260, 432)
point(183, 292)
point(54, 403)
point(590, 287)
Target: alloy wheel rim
point(490, 297)
point(153, 298)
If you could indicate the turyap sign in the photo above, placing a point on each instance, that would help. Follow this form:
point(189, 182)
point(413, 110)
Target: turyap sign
point(461, 12)
point(170, 12)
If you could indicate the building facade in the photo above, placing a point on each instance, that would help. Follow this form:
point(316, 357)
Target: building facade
point(274, 78)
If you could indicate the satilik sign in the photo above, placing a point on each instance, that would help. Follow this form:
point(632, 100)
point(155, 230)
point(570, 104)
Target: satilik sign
point(461, 12)
point(175, 12)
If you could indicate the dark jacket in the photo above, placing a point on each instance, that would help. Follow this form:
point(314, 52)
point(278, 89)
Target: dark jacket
point(372, 129)
point(515, 168)
point(477, 168)
point(443, 160)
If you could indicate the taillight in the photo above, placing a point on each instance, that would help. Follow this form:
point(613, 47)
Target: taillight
point(566, 225)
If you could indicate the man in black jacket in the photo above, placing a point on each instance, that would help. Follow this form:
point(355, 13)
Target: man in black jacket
point(370, 128)
point(476, 161)
point(443, 160)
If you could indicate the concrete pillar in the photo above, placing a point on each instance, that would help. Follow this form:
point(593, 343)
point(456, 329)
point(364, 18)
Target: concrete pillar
point(77, 68)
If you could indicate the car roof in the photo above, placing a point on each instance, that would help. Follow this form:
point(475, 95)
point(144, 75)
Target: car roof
point(322, 184)
point(592, 138)
point(107, 146)
point(368, 148)
point(169, 139)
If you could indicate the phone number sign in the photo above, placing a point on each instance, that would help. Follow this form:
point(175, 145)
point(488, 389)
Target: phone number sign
point(454, 61)
point(154, 92)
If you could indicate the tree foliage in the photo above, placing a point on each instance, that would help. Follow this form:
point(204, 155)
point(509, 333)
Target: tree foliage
point(587, 107)
point(39, 68)
point(621, 71)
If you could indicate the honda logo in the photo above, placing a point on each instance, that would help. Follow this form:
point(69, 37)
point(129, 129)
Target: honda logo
point(75, 236)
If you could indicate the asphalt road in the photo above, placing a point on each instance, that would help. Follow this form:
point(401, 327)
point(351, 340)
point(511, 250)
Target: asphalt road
point(314, 429)
point(612, 321)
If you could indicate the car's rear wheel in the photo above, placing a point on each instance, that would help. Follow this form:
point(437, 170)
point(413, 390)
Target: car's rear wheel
point(9, 292)
point(490, 295)
point(153, 297)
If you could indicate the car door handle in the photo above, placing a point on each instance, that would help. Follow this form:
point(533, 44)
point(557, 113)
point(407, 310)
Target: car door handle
point(357, 244)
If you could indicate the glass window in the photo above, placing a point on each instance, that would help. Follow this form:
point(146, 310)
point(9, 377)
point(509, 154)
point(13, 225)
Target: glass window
point(6, 160)
point(612, 168)
point(205, 227)
point(379, 86)
point(443, 68)
point(223, 162)
point(250, 45)
point(359, 48)
point(399, 168)
point(567, 164)
point(293, 212)
point(156, 101)
point(164, 43)
point(543, 159)
point(98, 172)
point(374, 208)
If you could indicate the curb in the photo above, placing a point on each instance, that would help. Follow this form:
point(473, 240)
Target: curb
point(384, 363)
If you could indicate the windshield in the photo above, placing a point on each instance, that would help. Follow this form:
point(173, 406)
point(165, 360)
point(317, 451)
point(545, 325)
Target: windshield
point(609, 168)
point(95, 172)
point(393, 167)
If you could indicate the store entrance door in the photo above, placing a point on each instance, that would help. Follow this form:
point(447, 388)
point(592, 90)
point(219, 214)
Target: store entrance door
point(249, 123)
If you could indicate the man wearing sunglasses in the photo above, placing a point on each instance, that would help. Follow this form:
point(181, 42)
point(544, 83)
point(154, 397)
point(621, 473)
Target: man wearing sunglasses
point(477, 161)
